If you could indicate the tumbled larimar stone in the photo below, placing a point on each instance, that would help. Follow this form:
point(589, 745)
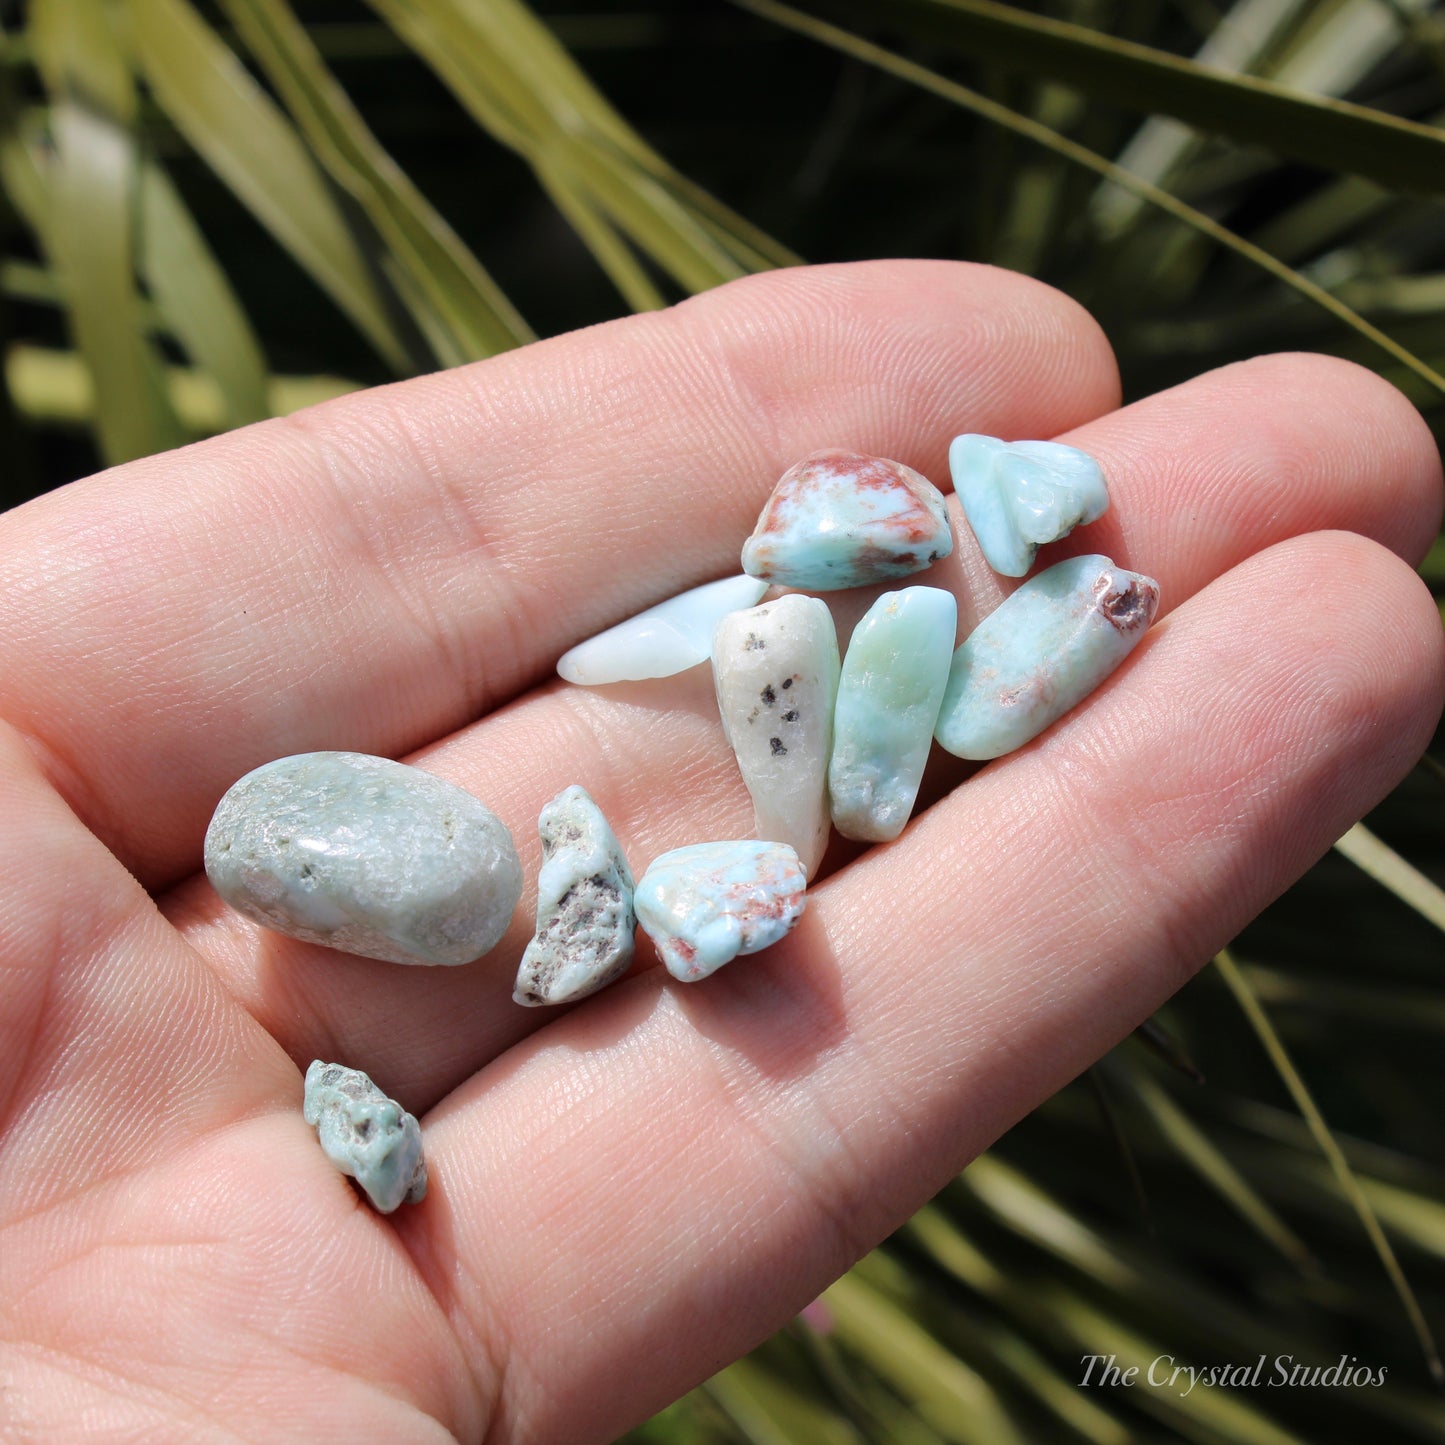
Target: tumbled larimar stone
point(671, 637)
point(1019, 495)
point(585, 920)
point(365, 855)
point(889, 694)
point(1043, 650)
point(705, 905)
point(838, 519)
point(776, 671)
point(367, 1136)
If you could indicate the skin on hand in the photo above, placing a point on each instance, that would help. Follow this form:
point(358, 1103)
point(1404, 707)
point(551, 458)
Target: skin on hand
point(627, 1195)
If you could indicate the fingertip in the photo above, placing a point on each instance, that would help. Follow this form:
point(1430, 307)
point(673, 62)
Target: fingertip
point(916, 329)
point(1376, 430)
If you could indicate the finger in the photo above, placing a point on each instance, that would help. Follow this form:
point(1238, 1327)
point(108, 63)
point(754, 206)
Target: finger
point(375, 572)
point(176, 1247)
point(655, 757)
point(1289, 444)
point(671, 1173)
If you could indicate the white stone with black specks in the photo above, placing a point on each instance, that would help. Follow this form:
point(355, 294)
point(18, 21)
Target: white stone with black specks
point(776, 670)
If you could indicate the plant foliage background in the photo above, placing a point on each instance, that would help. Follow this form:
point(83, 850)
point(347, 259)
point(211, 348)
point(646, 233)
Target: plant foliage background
point(216, 212)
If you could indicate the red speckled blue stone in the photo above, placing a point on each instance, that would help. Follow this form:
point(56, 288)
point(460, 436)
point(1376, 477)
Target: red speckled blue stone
point(839, 519)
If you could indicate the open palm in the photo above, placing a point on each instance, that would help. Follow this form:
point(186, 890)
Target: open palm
point(627, 1195)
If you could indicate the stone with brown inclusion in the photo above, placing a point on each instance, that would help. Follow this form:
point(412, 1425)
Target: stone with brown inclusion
point(839, 519)
point(1041, 652)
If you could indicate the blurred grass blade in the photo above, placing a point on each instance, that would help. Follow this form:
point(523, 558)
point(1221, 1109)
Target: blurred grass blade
point(1163, 1045)
point(514, 77)
point(195, 298)
point(237, 128)
point(1407, 1010)
point(931, 1230)
point(608, 249)
point(90, 205)
point(1386, 866)
point(1332, 134)
point(1237, 44)
point(769, 1411)
point(850, 44)
point(1114, 1126)
point(527, 45)
point(78, 56)
point(1340, 1166)
point(20, 173)
point(947, 1393)
point(1088, 1328)
point(455, 300)
point(1216, 1171)
point(56, 387)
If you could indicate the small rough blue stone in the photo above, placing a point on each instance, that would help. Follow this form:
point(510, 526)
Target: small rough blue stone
point(585, 922)
point(666, 639)
point(365, 855)
point(1019, 495)
point(1041, 652)
point(839, 519)
point(367, 1136)
point(889, 695)
point(706, 904)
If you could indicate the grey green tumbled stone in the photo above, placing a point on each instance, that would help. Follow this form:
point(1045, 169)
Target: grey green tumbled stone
point(365, 855)
point(1041, 652)
point(585, 922)
point(889, 694)
point(367, 1136)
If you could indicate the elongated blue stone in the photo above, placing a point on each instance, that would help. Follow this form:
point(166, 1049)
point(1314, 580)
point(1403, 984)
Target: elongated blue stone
point(706, 904)
point(776, 671)
point(367, 1136)
point(1041, 652)
point(889, 694)
point(838, 519)
point(666, 639)
point(585, 920)
point(367, 856)
point(1019, 495)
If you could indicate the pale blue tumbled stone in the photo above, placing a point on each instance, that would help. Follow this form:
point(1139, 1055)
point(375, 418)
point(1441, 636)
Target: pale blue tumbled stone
point(367, 1136)
point(365, 855)
point(839, 519)
point(585, 922)
point(1043, 650)
point(889, 694)
point(706, 904)
point(671, 637)
point(1019, 495)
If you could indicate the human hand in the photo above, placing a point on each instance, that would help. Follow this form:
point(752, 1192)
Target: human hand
point(627, 1195)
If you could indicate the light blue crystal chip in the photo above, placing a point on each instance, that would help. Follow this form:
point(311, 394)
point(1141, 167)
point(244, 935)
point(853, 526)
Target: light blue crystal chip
point(1042, 651)
point(666, 639)
point(365, 855)
point(706, 904)
point(585, 922)
point(889, 695)
point(839, 519)
point(367, 1136)
point(1019, 495)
